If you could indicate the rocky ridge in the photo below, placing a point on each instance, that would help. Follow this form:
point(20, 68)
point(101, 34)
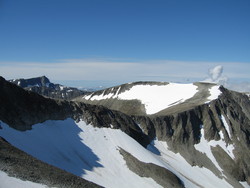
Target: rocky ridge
point(225, 119)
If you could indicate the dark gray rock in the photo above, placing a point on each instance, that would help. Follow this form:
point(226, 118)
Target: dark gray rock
point(161, 175)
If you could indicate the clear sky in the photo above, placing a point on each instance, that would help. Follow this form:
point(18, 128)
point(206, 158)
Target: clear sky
point(73, 41)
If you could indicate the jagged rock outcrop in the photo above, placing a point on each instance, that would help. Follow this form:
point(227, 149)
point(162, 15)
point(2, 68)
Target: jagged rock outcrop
point(43, 86)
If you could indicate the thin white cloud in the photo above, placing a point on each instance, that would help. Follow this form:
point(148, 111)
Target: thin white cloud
point(123, 71)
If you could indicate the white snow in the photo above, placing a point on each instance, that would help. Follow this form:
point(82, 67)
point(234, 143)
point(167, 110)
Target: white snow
point(192, 176)
point(154, 97)
point(18, 83)
point(61, 87)
point(93, 153)
point(226, 125)
point(205, 147)
point(83, 150)
point(214, 93)
point(244, 184)
point(12, 182)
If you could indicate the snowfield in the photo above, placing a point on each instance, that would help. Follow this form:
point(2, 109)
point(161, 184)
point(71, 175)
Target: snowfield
point(93, 153)
point(83, 150)
point(156, 97)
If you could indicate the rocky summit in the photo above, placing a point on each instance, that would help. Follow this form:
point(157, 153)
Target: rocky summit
point(141, 134)
point(43, 86)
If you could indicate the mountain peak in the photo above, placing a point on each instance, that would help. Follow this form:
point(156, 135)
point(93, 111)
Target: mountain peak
point(38, 81)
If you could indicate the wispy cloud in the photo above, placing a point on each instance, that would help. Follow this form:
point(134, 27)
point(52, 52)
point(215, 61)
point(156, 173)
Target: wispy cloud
point(123, 71)
point(216, 76)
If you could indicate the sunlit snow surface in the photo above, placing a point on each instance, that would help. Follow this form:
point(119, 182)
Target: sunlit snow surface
point(226, 126)
point(205, 147)
point(191, 176)
point(93, 153)
point(154, 97)
point(83, 150)
point(12, 182)
point(157, 97)
point(214, 93)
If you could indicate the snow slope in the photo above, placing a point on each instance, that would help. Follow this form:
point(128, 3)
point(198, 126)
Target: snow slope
point(156, 97)
point(12, 182)
point(83, 150)
point(93, 153)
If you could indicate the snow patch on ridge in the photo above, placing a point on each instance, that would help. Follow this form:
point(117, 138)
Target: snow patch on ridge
point(214, 93)
point(156, 98)
point(205, 147)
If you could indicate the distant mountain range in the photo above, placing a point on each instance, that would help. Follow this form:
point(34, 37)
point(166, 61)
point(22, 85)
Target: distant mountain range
point(43, 86)
point(141, 134)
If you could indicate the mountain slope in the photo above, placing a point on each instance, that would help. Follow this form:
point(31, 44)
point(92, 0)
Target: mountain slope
point(211, 123)
point(202, 142)
point(16, 167)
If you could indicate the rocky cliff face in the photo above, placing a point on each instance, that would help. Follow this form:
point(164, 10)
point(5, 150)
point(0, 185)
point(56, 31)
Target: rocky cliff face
point(223, 124)
point(43, 86)
point(223, 120)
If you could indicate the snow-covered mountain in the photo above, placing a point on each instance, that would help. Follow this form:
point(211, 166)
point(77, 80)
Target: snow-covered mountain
point(148, 98)
point(143, 134)
point(43, 86)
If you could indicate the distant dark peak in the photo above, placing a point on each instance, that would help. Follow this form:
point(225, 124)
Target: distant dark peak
point(43, 86)
point(42, 81)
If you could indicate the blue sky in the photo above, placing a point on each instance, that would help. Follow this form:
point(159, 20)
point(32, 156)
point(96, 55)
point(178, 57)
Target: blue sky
point(73, 41)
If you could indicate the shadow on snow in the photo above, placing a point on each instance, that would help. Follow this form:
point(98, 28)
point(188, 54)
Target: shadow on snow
point(55, 142)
